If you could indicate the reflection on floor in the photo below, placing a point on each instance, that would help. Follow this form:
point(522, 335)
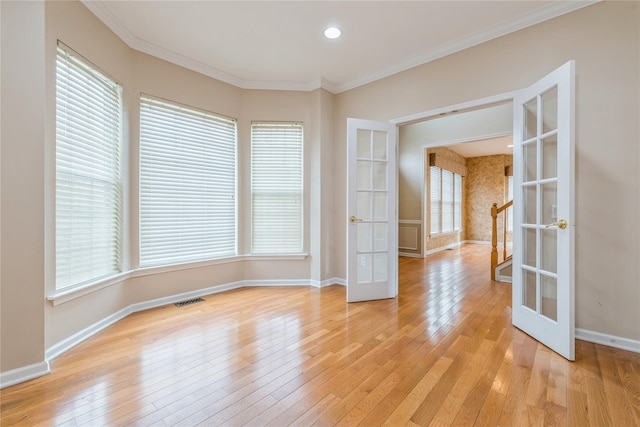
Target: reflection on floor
point(443, 352)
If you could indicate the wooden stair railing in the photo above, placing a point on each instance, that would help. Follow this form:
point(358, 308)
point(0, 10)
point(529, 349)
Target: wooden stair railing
point(495, 210)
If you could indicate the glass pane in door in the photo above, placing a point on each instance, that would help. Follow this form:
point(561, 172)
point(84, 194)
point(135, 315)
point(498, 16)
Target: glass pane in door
point(530, 157)
point(529, 199)
point(379, 145)
point(550, 157)
point(550, 110)
point(549, 250)
point(549, 297)
point(530, 127)
point(363, 147)
point(549, 202)
point(529, 289)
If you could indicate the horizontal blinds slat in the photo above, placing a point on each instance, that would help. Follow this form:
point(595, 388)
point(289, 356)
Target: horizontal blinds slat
point(435, 198)
point(88, 175)
point(277, 188)
point(187, 184)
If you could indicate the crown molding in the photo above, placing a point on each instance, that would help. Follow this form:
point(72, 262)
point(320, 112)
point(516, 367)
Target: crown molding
point(553, 10)
point(545, 13)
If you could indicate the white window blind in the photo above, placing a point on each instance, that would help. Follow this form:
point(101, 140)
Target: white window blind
point(88, 172)
point(457, 198)
point(276, 188)
point(435, 196)
point(187, 184)
point(445, 200)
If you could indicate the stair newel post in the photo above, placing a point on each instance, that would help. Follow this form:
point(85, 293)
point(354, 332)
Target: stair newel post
point(494, 240)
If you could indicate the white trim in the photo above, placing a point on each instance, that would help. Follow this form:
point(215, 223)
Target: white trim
point(337, 281)
point(476, 104)
point(328, 282)
point(477, 242)
point(409, 221)
point(414, 237)
point(24, 373)
point(444, 248)
point(468, 139)
point(66, 295)
point(553, 10)
point(409, 255)
point(70, 342)
point(542, 14)
point(505, 279)
point(75, 339)
point(608, 340)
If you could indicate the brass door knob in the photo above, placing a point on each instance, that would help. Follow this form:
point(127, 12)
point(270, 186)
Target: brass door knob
point(353, 218)
point(561, 224)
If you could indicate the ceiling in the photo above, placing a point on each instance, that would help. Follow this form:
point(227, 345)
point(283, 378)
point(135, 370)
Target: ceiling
point(280, 45)
point(485, 147)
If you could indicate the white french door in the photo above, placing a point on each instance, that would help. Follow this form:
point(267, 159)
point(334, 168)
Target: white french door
point(372, 249)
point(543, 236)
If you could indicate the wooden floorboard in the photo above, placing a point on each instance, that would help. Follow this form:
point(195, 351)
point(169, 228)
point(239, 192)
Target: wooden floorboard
point(444, 353)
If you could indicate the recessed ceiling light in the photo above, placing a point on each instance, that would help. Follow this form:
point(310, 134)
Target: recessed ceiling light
point(332, 33)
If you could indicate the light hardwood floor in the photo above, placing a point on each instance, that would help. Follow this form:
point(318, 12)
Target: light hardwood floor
point(443, 353)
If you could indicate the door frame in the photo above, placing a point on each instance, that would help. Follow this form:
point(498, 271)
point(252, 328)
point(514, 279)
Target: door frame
point(477, 104)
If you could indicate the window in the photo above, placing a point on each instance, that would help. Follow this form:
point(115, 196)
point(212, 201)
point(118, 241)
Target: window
point(276, 188)
point(187, 184)
point(89, 183)
point(445, 191)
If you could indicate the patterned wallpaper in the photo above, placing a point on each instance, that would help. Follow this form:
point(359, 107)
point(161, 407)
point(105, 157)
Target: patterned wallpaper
point(486, 184)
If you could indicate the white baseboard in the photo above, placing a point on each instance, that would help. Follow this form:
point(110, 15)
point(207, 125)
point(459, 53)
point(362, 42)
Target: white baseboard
point(33, 371)
point(24, 373)
point(328, 282)
point(608, 340)
point(444, 248)
point(409, 254)
point(70, 342)
point(477, 242)
point(336, 281)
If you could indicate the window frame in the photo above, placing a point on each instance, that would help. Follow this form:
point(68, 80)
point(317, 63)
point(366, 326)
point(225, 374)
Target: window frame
point(189, 113)
point(91, 129)
point(439, 200)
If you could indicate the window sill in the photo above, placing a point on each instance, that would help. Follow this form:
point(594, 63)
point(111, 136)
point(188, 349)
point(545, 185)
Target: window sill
point(65, 295)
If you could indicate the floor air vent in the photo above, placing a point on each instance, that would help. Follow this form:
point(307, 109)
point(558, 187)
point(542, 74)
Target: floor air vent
point(189, 301)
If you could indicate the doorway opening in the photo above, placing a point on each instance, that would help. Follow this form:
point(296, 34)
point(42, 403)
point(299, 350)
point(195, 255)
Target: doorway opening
point(451, 169)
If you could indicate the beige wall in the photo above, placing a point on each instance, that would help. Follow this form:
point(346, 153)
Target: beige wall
point(27, 200)
point(143, 74)
point(22, 176)
point(603, 39)
point(413, 138)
